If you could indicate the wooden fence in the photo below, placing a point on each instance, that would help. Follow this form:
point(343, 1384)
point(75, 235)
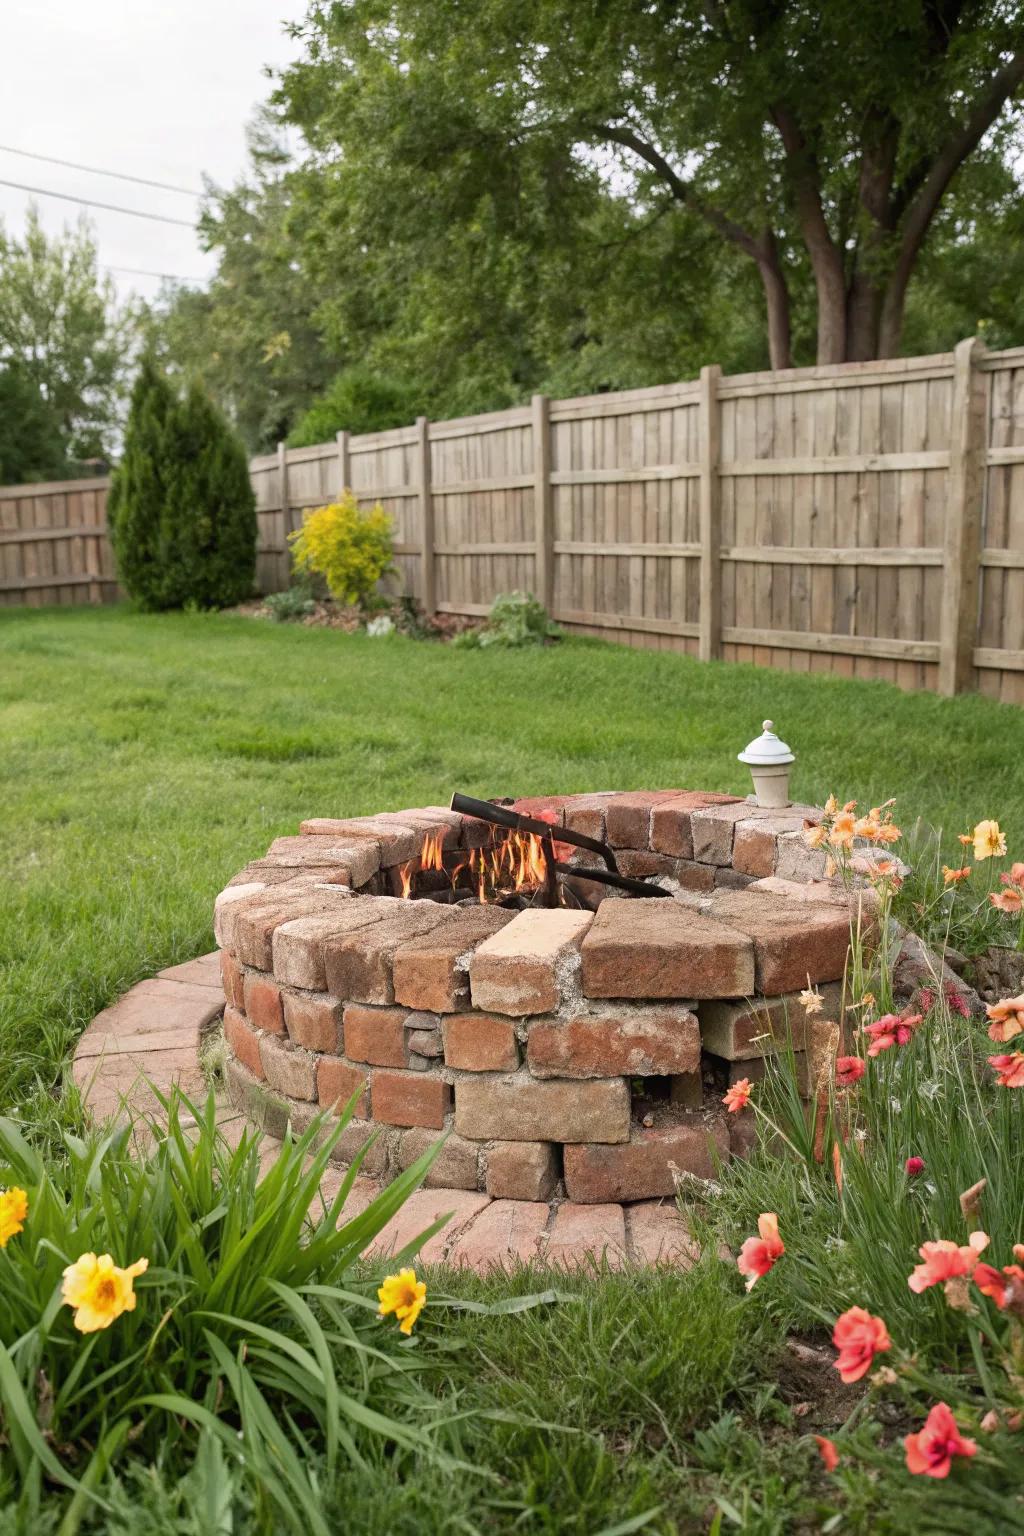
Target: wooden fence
point(53, 544)
point(865, 519)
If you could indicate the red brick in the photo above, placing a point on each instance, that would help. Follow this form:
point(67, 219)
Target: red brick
point(410, 1098)
point(742, 1031)
point(522, 1170)
point(586, 814)
point(359, 965)
point(521, 1108)
point(457, 1207)
point(506, 1234)
point(313, 1020)
point(646, 866)
point(583, 1236)
point(290, 1070)
point(753, 849)
point(639, 1042)
point(298, 945)
point(628, 817)
point(713, 828)
point(252, 924)
point(658, 1235)
point(396, 842)
point(232, 979)
point(454, 1167)
point(670, 821)
point(263, 1007)
point(243, 1041)
point(427, 973)
point(661, 948)
point(357, 857)
point(792, 939)
point(518, 970)
point(543, 808)
point(639, 1169)
point(477, 1043)
point(336, 1082)
point(376, 1035)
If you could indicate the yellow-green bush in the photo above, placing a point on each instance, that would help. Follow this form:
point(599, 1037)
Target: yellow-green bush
point(350, 548)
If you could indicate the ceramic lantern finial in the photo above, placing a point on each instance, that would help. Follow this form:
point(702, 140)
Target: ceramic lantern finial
point(769, 761)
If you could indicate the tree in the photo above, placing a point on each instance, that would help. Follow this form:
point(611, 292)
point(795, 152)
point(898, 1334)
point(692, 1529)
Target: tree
point(31, 444)
point(181, 507)
point(819, 143)
point(61, 323)
point(358, 400)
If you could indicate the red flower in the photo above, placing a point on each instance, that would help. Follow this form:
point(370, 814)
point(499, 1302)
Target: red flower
point(1009, 1070)
point(859, 1337)
point(914, 1166)
point(955, 1001)
point(849, 1070)
point(738, 1096)
point(930, 1452)
point(1001, 1285)
point(758, 1254)
point(891, 1029)
point(828, 1452)
point(944, 1261)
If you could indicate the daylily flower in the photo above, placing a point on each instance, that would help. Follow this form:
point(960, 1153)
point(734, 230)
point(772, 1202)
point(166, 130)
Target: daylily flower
point(13, 1210)
point(1009, 1070)
point(1002, 1285)
point(914, 1166)
point(815, 835)
point(989, 842)
point(930, 1452)
point(953, 876)
point(759, 1254)
point(945, 1261)
point(843, 829)
point(403, 1295)
point(859, 1337)
point(967, 838)
point(1007, 1019)
point(1015, 876)
point(99, 1290)
point(1010, 900)
point(849, 1070)
point(738, 1096)
point(827, 1451)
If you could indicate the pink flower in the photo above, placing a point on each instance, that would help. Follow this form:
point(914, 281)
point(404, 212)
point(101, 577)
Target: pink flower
point(930, 1452)
point(914, 1166)
point(891, 1029)
point(738, 1096)
point(859, 1337)
point(758, 1254)
point(1009, 1069)
point(828, 1452)
point(849, 1070)
point(944, 1261)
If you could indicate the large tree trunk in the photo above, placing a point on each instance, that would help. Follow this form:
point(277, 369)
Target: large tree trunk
point(776, 296)
point(863, 312)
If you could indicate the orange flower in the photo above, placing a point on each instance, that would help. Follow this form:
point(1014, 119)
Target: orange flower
point(1002, 1285)
point(945, 1261)
point(828, 1452)
point(849, 1070)
point(815, 836)
point(1010, 900)
point(738, 1096)
point(930, 1452)
point(1009, 1070)
point(967, 838)
point(1015, 876)
point(1007, 1019)
point(859, 1337)
point(952, 876)
point(759, 1254)
point(843, 830)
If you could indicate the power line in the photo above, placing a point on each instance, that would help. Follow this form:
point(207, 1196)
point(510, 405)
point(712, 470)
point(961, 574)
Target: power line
point(98, 170)
point(87, 202)
point(172, 277)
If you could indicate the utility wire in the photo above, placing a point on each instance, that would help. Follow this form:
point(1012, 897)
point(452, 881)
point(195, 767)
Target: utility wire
point(172, 277)
point(98, 170)
point(67, 197)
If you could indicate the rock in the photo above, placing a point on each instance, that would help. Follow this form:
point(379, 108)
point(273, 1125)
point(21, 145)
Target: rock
point(918, 966)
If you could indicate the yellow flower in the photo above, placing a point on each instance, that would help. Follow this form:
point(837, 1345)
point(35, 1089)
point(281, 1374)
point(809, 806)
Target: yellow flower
point(842, 833)
point(403, 1295)
point(100, 1291)
point(13, 1210)
point(988, 841)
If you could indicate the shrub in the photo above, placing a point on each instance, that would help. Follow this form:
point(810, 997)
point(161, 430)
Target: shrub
point(181, 508)
point(515, 619)
point(287, 607)
point(350, 548)
point(358, 400)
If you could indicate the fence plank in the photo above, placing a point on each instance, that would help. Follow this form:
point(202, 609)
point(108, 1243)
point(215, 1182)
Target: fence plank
point(422, 476)
point(710, 447)
point(963, 519)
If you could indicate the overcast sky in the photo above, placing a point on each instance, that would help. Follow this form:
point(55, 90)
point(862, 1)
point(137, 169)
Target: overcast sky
point(155, 88)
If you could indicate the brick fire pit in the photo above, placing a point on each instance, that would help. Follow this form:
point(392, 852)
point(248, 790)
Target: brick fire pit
point(588, 1043)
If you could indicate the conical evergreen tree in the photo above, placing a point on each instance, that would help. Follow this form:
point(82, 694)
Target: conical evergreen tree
point(138, 491)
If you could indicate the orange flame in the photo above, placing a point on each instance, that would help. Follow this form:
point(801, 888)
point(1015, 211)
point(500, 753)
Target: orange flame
point(430, 853)
point(516, 863)
point(405, 875)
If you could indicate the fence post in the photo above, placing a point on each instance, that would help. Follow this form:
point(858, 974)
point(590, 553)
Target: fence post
point(964, 497)
point(286, 513)
point(344, 462)
point(543, 504)
point(426, 501)
point(709, 645)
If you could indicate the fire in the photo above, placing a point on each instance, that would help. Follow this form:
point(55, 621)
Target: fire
point(516, 863)
point(430, 853)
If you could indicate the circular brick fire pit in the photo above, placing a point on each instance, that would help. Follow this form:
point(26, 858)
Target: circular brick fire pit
point(404, 956)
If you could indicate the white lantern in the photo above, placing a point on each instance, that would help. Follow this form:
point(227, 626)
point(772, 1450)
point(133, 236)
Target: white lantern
point(769, 760)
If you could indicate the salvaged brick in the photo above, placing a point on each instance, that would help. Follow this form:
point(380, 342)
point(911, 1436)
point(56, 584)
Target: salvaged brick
point(427, 970)
point(298, 945)
point(359, 965)
point(456, 1165)
point(753, 849)
point(520, 1108)
point(288, 1069)
point(232, 979)
point(397, 843)
point(586, 814)
point(658, 1235)
point(376, 1035)
point(792, 940)
point(519, 970)
point(646, 866)
point(693, 876)
point(408, 1098)
point(637, 1042)
point(375, 1142)
point(230, 902)
point(583, 1236)
point(478, 1043)
point(639, 1169)
point(742, 1031)
point(795, 861)
point(313, 1020)
point(670, 821)
point(712, 830)
point(522, 1170)
point(358, 856)
point(262, 1002)
point(243, 1041)
point(506, 1233)
point(267, 1110)
point(255, 921)
point(628, 817)
point(729, 879)
point(661, 948)
point(337, 1081)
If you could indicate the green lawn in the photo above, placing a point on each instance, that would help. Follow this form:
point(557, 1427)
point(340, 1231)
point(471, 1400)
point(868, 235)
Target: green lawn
point(145, 759)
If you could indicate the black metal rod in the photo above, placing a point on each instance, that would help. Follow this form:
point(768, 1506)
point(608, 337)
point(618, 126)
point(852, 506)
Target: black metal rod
point(608, 877)
point(501, 816)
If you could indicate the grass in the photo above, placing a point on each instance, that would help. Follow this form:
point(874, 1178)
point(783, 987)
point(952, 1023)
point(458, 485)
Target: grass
point(146, 759)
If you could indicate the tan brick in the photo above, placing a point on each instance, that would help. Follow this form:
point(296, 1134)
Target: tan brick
point(628, 817)
point(374, 1142)
point(670, 821)
point(639, 1169)
point(243, 1041)
point(520, 1108)
point(256, 921)
point(376, 1035)
point(583, 1236)
point(712, 831)
point(337, 1081)
point(742, 1031)
point(410, 1098)
point(792, 940)
point(664, 949)
point(290, 1070)
point(522, 1170)
point(586, 814)
point(753, 849)
point(629, 1042)
point(229, 903)
point(298, 945)
point(477, 1043)
point(519, 970)
point(456, 1165)
point(262, 1000)
point(359, 857)
point(795, 861)
point(397, 843)
point(648, 866)
point(658, 1236)
point(506, 1234)
point(359, 965)
point(313, 1020)
point(232, 979)
point(427, 973)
